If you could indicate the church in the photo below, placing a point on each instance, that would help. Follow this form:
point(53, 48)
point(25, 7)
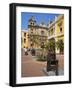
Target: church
point(37, 34)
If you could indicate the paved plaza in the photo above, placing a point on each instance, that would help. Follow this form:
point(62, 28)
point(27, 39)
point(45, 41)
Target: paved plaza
point(33, 68)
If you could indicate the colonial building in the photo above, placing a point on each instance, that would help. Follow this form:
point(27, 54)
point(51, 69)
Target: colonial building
point(56, 30)
point(24, 39)
point(38, 34)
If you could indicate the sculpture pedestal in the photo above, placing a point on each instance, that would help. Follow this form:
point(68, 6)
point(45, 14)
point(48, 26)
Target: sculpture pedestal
point(52, 73)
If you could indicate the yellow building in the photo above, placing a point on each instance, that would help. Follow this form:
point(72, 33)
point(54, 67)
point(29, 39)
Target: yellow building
point(56, 30)
point(24, 39)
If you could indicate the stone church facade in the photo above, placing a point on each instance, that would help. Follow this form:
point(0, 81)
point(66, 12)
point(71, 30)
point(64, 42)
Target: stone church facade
point(37, 34)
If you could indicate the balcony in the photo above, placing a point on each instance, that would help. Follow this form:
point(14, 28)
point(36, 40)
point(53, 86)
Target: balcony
point(53, 36)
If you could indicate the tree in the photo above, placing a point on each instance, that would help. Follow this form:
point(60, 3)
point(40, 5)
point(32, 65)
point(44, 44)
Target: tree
point(51, 45)
point(60, 45)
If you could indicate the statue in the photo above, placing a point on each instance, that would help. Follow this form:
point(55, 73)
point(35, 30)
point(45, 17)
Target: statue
point(52, 63)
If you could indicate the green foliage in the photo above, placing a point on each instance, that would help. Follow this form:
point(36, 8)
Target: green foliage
point(60, 45)
point(50, 45)
point(41, 58)
point(46, 45)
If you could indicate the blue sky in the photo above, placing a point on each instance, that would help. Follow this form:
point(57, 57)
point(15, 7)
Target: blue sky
point(39, 17)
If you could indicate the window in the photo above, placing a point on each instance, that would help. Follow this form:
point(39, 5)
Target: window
point(24, 40)
point(42, 32)
point(60, 29)
point(31, 29)
point(31, 40)
point(24, 34)
point(32, 44)
point(60, 26)
point(32, 23)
